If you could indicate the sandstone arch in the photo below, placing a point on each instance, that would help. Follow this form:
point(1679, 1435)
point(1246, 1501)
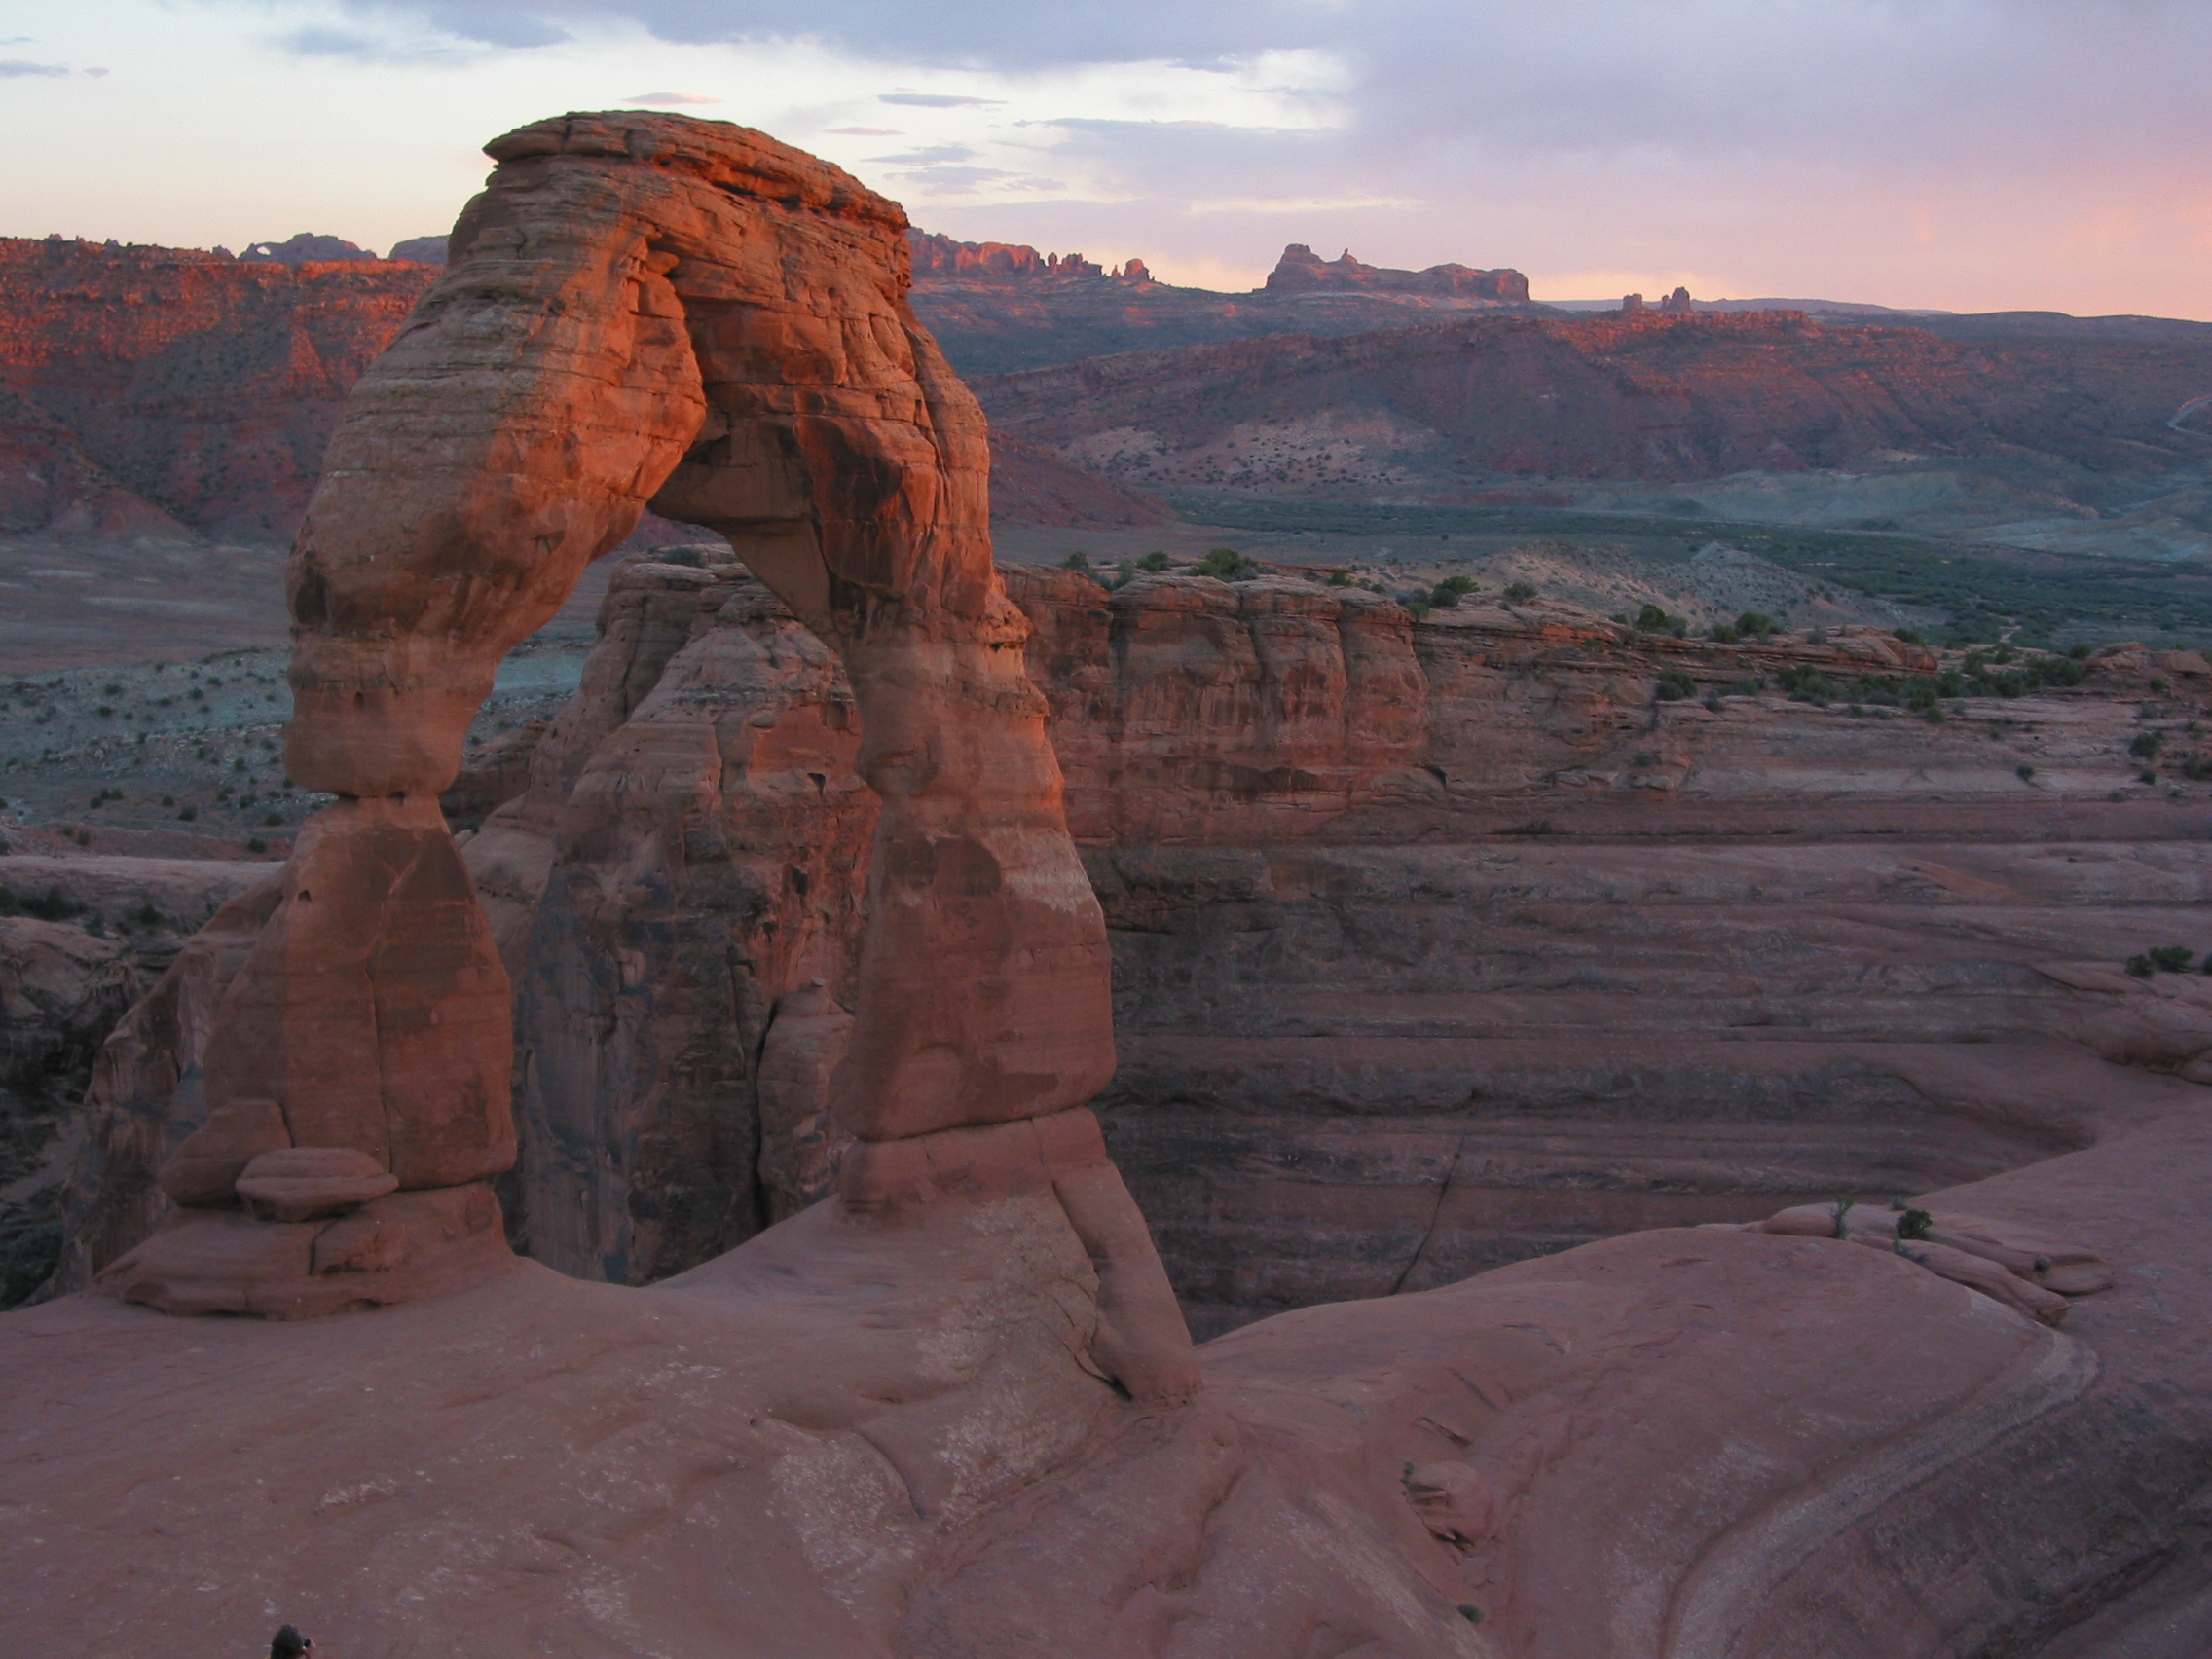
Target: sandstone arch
point(654, 310)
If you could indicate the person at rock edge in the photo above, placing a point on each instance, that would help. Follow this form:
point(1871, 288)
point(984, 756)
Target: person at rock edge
point(290, 1643)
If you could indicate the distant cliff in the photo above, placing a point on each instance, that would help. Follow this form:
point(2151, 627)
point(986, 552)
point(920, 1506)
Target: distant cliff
point(144, 388)
point(1301, 271)
point(170, 393)
point(1639, 395)
point(997, 307)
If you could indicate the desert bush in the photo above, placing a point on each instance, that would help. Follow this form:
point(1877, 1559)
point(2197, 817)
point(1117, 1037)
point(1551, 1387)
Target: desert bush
point(2171, 958)
point(1807, 685)
point(2025, 771)
point(1755, 623)
point(1909, 636)
point(2145, 745)
point(1517, 591)
point(52, 906)
point(1229, 565)
point(1154, 561)
point(1674, 686)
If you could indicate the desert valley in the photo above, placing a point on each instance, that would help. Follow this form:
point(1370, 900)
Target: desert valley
point(729, 929)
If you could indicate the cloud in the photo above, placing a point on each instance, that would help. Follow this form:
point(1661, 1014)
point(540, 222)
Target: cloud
point(866, 132)
point(937, 100)
point(933, 153)
point(670, 99)
point(15, 68)
point(1298, 203)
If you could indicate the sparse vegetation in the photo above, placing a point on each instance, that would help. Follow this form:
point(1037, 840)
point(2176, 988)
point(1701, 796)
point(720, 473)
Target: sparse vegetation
point(52, 906)
point(1519, 592)
point(1228, 565)
point(1674, 686)
point(1451, 590)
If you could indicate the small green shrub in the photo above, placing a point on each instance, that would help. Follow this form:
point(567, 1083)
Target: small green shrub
point(1914, 1224)
point(1339, 578)
point(1755, 622)
point(1723, 635)
point(255, 844)
point(187, 814)
point(2145, 745)
point(2079, 650)
point(1841, 1211)
point(1077, 562)
point(1228, 565)
point(2025, 771)
point(2171, 958)
point(1910, 637)
point(1154, 561)
point(1674, 686)
point(2139, 966)
point(1519, 591)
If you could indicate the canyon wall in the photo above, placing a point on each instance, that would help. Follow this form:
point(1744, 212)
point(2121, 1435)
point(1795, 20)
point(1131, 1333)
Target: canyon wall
point(198, 387)
point(1436, 408)
point(1437, 945)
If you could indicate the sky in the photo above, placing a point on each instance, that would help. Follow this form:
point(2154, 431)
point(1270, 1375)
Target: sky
point(1965, 155)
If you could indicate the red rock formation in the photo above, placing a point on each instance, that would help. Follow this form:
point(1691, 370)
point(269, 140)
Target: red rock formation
point(663, 286)
point(1301, 271)
point(201, 388)
point(1004, 262)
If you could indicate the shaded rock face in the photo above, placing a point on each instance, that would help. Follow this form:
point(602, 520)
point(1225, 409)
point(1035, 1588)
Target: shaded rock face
point(1646, 394)
point(702, 857)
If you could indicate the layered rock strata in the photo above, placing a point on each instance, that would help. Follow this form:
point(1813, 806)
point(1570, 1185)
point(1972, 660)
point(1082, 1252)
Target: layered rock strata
point(1437, 945)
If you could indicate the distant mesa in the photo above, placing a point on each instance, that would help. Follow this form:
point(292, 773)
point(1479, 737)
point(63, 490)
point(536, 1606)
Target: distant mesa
point(304, 249)
point(940, 256)
point(1301, 271)
point(419, 250)
point(1677, 304)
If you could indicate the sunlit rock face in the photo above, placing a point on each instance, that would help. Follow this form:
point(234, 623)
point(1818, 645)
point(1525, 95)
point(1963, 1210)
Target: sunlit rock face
point(652, 311)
